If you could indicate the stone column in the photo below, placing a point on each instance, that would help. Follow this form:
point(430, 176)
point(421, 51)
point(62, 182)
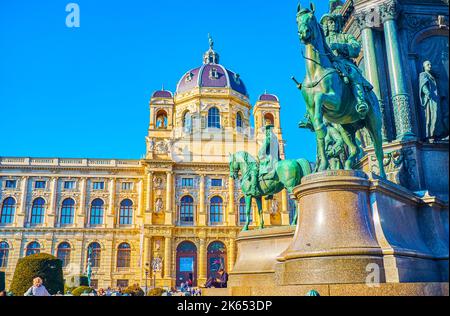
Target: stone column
point(400, 96)
point(21, 214)
point(169, 198)
point(149, 205)
point(141, 208)
point(202, 213)
point(81, 214)
point(230, 218)
point(266, 204)
point(168, 258)
point(285, 208)
point(110, 219)
point(231, 254)
point(146, 255)
point(52, 215)
point(371, 63)
point(149, 193)
point(202, 263)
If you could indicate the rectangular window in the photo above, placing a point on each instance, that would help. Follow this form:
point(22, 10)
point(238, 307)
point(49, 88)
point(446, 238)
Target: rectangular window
point(187, 182)
point(69, 185)
point(98, 185)
point(127, 186)
point(11, 184)
point(122, 283)
point(39, 185)
point(216, 182)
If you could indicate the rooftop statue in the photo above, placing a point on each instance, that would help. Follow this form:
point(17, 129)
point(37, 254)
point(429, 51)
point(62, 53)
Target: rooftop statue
point(329, 95)
point(266, 176)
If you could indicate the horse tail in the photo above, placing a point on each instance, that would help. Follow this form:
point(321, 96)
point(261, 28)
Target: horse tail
point(305, 166)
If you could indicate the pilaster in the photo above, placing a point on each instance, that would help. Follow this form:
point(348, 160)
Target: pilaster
point(202, 218)
point(400, 96)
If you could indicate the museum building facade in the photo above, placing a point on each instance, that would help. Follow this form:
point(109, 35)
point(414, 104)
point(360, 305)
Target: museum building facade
point(168, 217)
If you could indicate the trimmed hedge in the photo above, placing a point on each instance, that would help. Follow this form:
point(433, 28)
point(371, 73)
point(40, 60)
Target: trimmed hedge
point(134, 290)
point(2, 281)
point(156, 292)
point(82, 289)
point(45, 266)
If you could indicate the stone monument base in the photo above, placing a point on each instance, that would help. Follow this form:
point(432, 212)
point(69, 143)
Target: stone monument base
point(355, 236)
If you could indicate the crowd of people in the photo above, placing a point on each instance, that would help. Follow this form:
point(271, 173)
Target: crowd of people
point(185, 289)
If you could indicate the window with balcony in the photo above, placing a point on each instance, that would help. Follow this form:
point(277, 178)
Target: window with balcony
point(10, 184)
point(98, 185)
point(69, 185)
point(187, 182)
point(39, 184)
point(127, 186)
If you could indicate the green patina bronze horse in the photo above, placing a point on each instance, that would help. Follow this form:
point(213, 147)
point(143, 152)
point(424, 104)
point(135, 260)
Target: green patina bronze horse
point(328, 96)
point(288, 175)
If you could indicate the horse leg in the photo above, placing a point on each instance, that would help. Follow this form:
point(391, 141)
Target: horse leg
point(248, 208)
point(321, 131)
point(261, 218)
point(348, 135)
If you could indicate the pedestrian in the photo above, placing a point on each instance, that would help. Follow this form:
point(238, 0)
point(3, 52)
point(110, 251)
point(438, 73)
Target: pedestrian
point(38, 288)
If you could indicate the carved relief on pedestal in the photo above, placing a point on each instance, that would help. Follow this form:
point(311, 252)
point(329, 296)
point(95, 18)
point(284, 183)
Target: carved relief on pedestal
point(400, 166)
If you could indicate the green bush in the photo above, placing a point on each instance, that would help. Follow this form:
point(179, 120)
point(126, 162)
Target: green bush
point(134, 290)
point(2, 281)
point(69, 288)
point(81, 289)
point(156, 292)
point(45, 266)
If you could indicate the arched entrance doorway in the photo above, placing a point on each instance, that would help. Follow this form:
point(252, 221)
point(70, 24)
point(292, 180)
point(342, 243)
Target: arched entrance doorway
point(186, 263)
point(217, 258)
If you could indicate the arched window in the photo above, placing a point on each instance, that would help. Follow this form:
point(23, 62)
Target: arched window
point(126, 212)
point(187, 211)
point(7, 211)
point(63, 253)
point(239, 120)
point(37, 211)
point(4, 252)
point(213, 118)
point(216, 210)
point(217, 256)
point(94, 252)
point(268, 119)
point(33, 248)
point(242, 212)
point(96, 212)
point(187, 122)
point(161, 119)
point(123, 255)
point(67, 212)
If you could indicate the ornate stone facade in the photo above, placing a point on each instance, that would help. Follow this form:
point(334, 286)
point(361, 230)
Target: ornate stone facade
point(141, 202)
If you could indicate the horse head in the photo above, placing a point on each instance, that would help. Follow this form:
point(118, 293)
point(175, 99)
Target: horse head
point(307, 24)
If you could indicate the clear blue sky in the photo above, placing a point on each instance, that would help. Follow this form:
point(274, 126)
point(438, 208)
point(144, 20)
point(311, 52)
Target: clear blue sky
point(84, 92)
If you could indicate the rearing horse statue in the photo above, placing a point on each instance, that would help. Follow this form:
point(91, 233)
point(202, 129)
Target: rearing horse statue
point(288, 175)
point(328, 96)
